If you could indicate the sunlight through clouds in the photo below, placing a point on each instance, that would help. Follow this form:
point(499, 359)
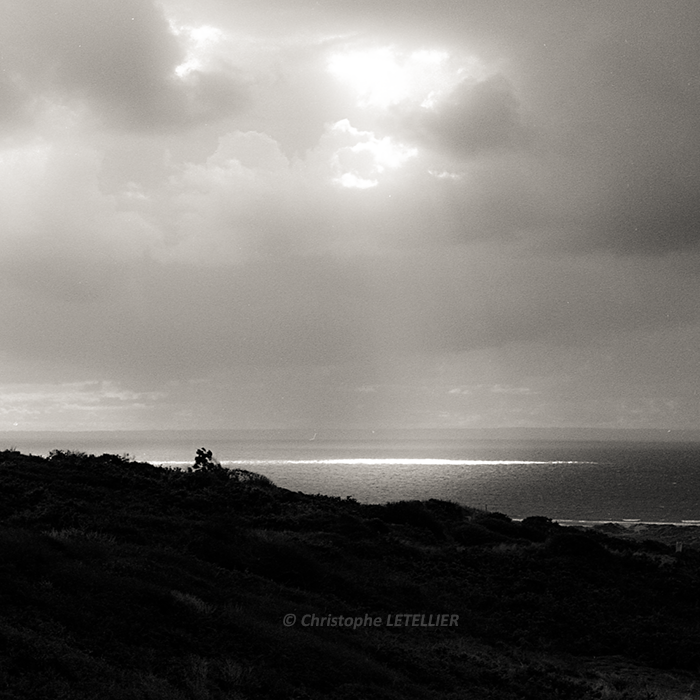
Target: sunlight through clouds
point(403, 97)
point(382, 77)
point(375, 75)
point(316, 194)
point(360, 165)
point(201, 44)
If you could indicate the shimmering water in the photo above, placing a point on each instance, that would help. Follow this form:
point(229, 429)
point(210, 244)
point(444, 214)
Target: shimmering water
point(563, 480)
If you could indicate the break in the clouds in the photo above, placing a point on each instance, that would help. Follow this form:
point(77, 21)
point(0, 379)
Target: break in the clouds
point(302, 214)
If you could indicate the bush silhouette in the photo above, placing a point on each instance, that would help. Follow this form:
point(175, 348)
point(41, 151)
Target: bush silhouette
point(411, 513)
point(574, 544)
point(473, 534)
point(503, 525)
point(204, 459)
point(112, 572)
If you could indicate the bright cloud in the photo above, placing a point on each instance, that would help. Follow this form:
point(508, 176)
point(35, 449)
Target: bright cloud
point(385, 76)
point(361, 164)
point(281, 203)
point(201, 47)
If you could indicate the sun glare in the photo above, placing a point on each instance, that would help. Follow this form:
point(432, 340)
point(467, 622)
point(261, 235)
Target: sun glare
point(199, 41)
point(378, 79)
point(374, 75)
point(385, 76)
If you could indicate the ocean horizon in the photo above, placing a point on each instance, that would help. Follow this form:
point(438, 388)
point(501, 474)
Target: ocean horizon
point(564, 479)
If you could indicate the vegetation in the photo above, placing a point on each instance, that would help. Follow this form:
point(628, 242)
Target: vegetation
point(122, 580)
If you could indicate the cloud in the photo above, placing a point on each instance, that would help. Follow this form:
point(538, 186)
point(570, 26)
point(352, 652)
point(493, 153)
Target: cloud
point(630, 157)
point(120, 59)
point(250, 257)
point(604, 98)
point(290, 202)
point(12, 102)
point(89, 405)
point(476, 117)
point(61, 236)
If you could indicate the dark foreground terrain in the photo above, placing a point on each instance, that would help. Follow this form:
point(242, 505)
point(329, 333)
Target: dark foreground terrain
point(122, 580)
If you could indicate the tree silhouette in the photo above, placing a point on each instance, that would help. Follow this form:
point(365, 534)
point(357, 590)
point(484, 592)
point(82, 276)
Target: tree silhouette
point(205, 461)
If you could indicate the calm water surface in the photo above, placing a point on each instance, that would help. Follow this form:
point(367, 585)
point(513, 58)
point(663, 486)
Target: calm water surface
point(562, 480)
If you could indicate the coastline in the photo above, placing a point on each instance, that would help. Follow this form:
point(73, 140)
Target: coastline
point(674, 534)
point(116, 570)
point(628, 524)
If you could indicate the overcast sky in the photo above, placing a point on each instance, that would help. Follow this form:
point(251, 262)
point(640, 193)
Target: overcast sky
point(313, 213)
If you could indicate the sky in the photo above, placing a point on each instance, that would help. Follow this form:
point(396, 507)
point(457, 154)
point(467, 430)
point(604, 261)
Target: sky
point(313, 213)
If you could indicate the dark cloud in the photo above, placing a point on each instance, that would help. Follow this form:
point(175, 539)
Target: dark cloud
point(477, 117)
point(12, 102)
point(210, 95)
point(246, 227)
point(655, 209)
point(178, 321)
point(605, 95)
point(632, 151)
point(119, 57)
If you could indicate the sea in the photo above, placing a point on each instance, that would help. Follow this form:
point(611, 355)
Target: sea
point(586, 480)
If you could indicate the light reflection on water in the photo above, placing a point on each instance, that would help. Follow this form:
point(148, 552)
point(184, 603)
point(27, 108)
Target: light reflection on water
point(558, 479)
point(516, 487)
point(650, 486)
point(390, 462)
point(481, 483)
point(378, 480)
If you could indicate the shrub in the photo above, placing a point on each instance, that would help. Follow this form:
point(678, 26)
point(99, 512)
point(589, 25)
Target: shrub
point(472, 534)
point(205, 461)
point(242, 476)
point(446, 510)
point(378, 525)
point(503, 525)
point(193, 602)
point(540, 523)
point(279, 558)
point(27, 552)
point(70, 456)
point(411, 513)
point(575, 544)
point(83, 544)
point(657, 547)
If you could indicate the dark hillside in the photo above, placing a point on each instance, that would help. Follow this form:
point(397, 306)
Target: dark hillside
point(122, 580)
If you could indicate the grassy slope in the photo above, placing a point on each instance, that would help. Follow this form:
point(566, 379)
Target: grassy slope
point(125, 580)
